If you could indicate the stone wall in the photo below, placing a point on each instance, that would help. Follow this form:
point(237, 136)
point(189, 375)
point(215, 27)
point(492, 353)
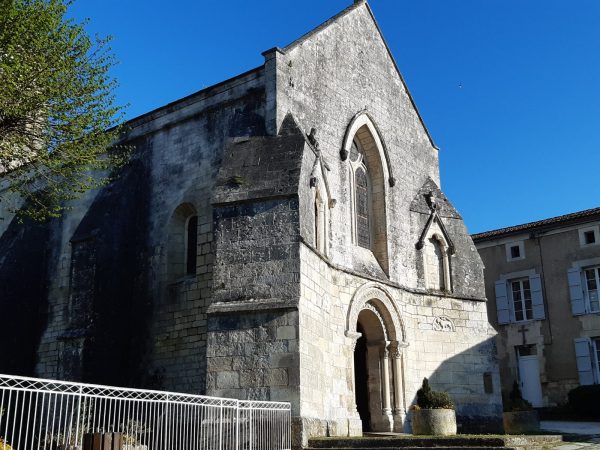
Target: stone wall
point(177, 152)
point(449, 341)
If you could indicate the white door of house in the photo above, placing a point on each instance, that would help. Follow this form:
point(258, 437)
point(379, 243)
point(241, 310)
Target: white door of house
point(529, 373)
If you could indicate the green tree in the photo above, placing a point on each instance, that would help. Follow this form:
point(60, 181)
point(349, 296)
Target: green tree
point(58, 114)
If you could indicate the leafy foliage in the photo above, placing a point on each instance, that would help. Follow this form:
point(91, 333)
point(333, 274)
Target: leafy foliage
point(56, 105)
point(516, 402)
point(584, 400)
point(428, 399)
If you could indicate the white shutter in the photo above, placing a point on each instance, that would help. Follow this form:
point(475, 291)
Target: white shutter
point(502, 305)
point(584, 361)
point(576, 291)
point(537, 299)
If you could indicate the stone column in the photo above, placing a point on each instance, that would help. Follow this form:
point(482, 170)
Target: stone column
point(354, 421)
point(387, 406)
point(399, 409)
point(446, 267)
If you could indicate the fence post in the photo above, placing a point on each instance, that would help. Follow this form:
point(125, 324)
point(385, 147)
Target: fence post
point(221, 424)
point(251, 425)
point(237, 425)
point(167, 420)
point(78, 416)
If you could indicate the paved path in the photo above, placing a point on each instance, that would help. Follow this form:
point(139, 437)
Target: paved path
point(581, 435)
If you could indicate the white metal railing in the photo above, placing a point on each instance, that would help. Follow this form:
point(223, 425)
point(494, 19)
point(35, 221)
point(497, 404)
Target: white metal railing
point(39, 414)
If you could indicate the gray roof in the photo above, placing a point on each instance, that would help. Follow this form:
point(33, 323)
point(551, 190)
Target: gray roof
point(578, 217)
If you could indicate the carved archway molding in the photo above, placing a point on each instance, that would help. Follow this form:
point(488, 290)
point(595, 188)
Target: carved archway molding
point(362, 118)
point(376, 298)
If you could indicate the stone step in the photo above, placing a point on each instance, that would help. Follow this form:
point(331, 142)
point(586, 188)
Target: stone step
point(459, 447)
point(406, 442)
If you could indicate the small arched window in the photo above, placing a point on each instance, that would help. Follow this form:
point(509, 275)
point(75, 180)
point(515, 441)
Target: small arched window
point(191, 245)
point(434, 264)
point(437, 264)
point(321, 228)
point(182, 242)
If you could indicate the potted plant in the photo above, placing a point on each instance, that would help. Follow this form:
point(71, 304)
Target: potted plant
point(434, 412)
point(519, 416)
point(3, 444)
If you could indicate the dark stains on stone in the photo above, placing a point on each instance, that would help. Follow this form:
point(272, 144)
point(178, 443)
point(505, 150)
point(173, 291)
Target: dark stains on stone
point(23, 294)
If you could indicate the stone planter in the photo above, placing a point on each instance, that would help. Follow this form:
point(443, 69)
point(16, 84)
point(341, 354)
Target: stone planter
point(440, 422)
point(521, 422)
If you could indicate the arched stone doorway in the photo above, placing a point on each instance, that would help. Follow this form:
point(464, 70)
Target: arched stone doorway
point(377, 336)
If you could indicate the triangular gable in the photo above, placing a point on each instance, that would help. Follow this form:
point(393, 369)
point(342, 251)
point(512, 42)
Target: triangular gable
point(432, 201)
point(356, 5)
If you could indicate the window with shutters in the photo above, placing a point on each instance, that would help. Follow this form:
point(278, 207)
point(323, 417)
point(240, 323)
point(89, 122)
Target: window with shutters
point(596, 348)
point(591, 277)
point(586, 357)
point(521, 299)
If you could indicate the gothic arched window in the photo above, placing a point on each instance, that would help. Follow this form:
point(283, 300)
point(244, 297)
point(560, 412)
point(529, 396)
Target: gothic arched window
point(368, 179)
point(362, 196)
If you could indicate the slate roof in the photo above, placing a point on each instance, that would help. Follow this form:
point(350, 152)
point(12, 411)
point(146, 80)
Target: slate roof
point(584, 216)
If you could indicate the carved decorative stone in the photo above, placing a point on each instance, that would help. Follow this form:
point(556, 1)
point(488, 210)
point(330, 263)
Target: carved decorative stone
point(344, 154)
point(443, 323)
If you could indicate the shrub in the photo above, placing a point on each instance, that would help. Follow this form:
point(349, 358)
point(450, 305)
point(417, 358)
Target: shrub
point(584, 400)
point(428, 399)
point(516, 402)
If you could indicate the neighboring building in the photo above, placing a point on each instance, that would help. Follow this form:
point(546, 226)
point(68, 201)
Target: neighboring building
point(541, 281)
point(242, 253)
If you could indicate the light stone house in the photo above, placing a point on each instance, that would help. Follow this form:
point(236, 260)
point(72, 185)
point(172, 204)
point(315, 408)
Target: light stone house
point(280, 235)
point(542, 283)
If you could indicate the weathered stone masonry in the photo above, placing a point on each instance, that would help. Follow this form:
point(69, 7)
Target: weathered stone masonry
point(330, 269)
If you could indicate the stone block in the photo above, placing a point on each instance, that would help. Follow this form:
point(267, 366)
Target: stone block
point(228, 380)
point(276, 377)
point(286, 332)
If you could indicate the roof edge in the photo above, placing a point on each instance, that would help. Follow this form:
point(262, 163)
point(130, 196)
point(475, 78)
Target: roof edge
point(355, 5)
point(132, 122)
point(410, 97)
point(322, 26)
point(583, 216)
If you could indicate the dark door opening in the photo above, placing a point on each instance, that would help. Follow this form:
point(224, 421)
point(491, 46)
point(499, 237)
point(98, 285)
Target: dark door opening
point(361, 386)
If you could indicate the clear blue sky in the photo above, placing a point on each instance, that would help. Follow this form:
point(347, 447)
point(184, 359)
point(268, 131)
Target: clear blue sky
point(509, 89)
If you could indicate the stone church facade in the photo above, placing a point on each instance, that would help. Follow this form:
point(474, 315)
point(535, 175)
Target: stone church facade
point(280, 235)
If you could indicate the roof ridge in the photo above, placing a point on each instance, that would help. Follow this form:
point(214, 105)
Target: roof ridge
point(323, 25)
point(537, 223)
point(344, 12)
